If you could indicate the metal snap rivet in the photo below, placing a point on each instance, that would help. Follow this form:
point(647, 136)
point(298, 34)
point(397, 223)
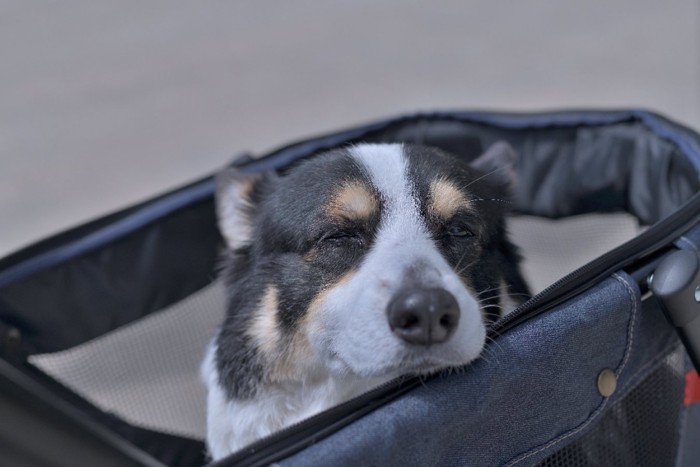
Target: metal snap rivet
point(607, 382)
point(697, 294)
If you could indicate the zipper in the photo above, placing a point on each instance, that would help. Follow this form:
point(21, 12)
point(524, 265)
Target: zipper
point(303, 434)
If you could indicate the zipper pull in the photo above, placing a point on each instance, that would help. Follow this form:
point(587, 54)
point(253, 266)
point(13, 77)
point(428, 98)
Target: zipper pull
point(676, 284)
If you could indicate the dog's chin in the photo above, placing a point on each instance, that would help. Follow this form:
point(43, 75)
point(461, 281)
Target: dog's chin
point(408, 364)
point(431, 365)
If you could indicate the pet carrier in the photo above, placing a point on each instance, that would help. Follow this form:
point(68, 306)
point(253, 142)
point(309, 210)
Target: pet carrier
point(102, 327)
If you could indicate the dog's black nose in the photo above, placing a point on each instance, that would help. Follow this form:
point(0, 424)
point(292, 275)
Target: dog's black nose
point(423, 316)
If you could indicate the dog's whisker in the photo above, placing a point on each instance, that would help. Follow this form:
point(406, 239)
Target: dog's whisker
point(488, 357)
point(421, 379)
point(492, 199)
point(493, 348)
point(493, 289)
point(465, 267)
point(512, 294)
point(486, 175)
point(460, 260)
point(494, 342)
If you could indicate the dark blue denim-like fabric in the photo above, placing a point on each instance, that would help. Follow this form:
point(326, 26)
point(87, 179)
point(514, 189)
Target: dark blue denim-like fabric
point(534, 391)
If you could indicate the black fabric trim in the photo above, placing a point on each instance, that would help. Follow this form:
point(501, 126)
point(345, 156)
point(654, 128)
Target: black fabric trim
point(71, 420)
point(133, 276)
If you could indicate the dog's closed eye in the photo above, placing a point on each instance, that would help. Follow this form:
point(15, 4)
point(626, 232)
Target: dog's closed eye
point(342, 238)
point(458, 230)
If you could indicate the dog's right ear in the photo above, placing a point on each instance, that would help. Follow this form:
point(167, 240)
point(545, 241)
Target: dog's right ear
point(235, 205)
point(498, 164)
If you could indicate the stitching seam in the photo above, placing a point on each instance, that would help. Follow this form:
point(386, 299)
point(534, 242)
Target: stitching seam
point(635, 379)
point(601, 406)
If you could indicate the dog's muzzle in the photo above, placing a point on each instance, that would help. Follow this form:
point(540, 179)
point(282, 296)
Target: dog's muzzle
point(423, 316)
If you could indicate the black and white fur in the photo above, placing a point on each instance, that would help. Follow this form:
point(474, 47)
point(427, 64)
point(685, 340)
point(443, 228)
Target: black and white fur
point(318, 258)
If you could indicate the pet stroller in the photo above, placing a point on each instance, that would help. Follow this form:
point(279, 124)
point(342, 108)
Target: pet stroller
point(102, 327)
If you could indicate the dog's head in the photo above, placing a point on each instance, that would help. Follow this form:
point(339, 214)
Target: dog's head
point(370, 261)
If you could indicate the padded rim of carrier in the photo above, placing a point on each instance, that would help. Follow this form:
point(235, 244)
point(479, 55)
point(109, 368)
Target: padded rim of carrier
point(145, 258)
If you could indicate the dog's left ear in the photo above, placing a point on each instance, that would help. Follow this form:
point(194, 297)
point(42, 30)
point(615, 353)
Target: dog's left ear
point(498, 165)
point(235, 205)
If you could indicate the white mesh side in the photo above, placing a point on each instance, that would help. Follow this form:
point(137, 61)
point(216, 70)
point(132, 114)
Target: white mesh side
point(554, 248)
point(147, 372)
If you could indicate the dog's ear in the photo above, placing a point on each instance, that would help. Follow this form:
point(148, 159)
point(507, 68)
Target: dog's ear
point(498, 165)
point(235, 205)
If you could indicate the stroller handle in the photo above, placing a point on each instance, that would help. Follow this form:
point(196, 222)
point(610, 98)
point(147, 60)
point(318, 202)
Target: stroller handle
point(676, 284)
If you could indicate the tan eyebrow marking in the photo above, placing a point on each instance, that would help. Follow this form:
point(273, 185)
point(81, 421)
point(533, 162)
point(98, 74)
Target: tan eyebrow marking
point(353, 201)
point(446, 199)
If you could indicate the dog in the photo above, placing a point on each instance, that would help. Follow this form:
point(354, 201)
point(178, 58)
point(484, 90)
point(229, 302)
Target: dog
point(349, 269)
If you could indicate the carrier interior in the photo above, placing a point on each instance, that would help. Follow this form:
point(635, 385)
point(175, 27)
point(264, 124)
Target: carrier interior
point(582, 191)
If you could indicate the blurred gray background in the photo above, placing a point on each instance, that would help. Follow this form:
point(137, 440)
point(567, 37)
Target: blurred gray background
point(104, 104)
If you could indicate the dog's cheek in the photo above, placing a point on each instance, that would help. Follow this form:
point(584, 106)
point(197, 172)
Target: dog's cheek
point(265, 328)
point(357, 336)
point(299, 349)
point(485, 277)
point(462, 256)
point(321, 321)
point(294, 361)
point(299, 356)
point(283, 354)
point(298, 281)
point(315, 320)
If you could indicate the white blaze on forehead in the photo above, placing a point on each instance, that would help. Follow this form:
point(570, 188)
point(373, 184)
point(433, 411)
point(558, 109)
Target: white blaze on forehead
point(387, 166)
point(402, 242)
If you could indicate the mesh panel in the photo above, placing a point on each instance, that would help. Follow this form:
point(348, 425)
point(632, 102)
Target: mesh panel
point(147, 372)
point(554, 248)
point(641, 429)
